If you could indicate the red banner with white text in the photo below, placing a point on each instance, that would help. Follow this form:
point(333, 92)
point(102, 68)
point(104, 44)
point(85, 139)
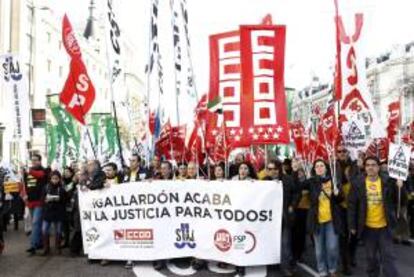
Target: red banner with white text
point(247, 74)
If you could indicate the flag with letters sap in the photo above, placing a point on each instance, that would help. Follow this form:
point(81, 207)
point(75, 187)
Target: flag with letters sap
point(78, 94)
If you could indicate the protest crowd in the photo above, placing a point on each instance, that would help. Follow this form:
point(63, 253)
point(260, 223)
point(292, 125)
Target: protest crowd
point(360, 208)
point(346, 187)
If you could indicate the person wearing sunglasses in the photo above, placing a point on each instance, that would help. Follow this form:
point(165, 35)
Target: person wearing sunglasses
point(274, 172)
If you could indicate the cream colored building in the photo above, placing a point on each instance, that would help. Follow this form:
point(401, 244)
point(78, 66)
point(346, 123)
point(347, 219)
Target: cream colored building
point(33, 31)
point(390, 77)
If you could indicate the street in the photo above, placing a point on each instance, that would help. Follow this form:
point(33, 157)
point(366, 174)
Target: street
point(16, 263)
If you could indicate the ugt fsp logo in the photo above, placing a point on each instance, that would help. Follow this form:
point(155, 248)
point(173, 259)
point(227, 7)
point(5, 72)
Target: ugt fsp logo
point(185, 237)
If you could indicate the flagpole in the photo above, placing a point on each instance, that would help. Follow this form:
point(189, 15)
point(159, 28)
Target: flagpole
point(87, 126)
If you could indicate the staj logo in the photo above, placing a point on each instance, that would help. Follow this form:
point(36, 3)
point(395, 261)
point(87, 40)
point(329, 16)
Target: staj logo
point(224, 241)
point(185, 237)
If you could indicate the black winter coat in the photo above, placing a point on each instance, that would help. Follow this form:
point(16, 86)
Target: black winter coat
point(314, 185)
point(357, 203)
point(290, 198)
point(141, 171)
point(54, 210)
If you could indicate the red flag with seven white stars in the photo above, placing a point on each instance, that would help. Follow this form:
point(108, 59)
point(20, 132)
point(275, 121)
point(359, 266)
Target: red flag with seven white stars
point(247, 73)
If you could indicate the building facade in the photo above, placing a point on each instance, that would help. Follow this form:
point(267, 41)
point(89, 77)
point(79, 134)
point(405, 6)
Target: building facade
point(33, 31)
point(390, 77)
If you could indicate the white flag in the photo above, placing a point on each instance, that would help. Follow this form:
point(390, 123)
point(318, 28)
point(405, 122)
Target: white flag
point(18, 97)
point(356, 98)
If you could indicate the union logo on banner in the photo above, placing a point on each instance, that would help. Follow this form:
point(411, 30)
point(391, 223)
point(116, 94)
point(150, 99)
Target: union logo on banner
point(247, 74)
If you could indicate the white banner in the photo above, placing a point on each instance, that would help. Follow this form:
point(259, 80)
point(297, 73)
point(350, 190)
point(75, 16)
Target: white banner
point(15, 82)
point(232, 221)
point(354, 136)
point(356, 98)
point(399, 161)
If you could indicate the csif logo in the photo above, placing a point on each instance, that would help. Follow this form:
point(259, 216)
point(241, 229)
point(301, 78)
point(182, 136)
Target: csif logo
point(92, 235)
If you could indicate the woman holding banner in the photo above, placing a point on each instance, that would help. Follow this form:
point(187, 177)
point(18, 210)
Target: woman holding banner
point(245, 172)
point(324, 220)
point(276, 171)
point(218, 173)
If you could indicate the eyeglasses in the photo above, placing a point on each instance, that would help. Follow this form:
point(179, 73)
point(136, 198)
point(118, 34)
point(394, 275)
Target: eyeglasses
point(271, 168)
point(341, 151)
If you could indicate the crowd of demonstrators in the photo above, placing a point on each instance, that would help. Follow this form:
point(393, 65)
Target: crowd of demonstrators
point(327, 211)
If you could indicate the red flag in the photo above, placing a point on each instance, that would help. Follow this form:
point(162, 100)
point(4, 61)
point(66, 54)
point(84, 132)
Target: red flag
point(219, 149)
point(297, 134)
point(257, 159)
point(330, 127)
point(247, 72)
point(78, 94)
point(267, 20)
point(394, 119)
point(171, 142)
point(194, 149)
point(201, 109)
point(338, 68)
point(408, 135)
point(69, 40)
point(379, 148)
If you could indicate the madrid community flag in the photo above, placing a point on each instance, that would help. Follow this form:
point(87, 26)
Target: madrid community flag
point(247, 75)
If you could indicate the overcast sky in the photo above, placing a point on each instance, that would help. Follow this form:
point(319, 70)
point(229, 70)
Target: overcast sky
point(310, 42)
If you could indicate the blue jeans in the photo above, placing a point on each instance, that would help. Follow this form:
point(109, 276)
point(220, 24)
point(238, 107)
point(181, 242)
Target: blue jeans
point(327, 249)
point(46, 228)
point(36, 236)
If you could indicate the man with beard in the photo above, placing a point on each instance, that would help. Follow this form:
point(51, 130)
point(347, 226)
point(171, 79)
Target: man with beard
point(112, 175)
